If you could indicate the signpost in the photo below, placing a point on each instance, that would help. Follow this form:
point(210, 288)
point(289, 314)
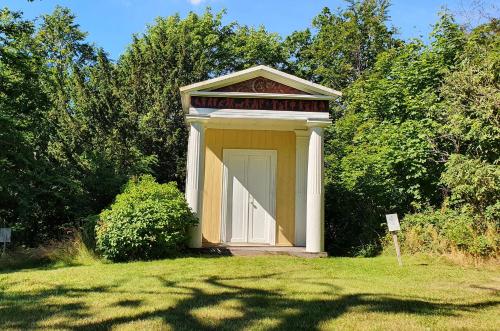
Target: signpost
point(5, 234)
point(394, 227)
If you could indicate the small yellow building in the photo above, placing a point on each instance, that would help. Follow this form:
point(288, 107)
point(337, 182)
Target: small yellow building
point(255, 159)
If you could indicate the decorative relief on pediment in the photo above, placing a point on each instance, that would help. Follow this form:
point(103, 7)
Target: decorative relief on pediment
point(260, 85)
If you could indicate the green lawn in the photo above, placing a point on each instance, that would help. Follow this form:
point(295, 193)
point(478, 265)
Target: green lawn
point(253, 293)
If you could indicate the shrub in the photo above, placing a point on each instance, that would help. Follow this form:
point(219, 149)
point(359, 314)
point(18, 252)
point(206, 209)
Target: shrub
point(366, 250)
point(474, 185)
point(468, 222)
point(147, 221)
point(447, 231)
point(87, 229)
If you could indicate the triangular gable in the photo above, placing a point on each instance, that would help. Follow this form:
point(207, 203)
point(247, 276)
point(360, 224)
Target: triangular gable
point(261, 71)
point(268, 84)
point(260, 85)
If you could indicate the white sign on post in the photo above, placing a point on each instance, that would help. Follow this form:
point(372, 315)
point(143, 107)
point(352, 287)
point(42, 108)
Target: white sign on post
point(393, 222)
point(393, 225)
point(5, 234)
point(5, 238)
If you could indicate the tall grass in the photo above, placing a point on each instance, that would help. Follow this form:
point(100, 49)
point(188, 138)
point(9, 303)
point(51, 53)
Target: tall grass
point(71, 251)
point(472, 248)
point(68, 252)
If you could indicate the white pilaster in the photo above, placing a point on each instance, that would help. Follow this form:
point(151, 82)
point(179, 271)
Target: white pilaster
point(194, 177)
point(315, 219)
point(301, 145)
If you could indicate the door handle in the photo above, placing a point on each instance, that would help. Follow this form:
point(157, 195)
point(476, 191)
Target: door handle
point(252, 203)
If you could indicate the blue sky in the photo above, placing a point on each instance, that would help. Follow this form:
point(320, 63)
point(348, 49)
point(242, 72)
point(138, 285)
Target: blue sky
point(111, 23)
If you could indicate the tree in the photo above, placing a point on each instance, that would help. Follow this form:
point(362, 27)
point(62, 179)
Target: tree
point(172, 53)
point(471, 120)
point(249, 47)
point(175, 52)
point(346, 43)
point(30, 186)
point(381, 154)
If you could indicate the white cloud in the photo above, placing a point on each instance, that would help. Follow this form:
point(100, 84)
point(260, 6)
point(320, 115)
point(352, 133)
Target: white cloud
point(195, 2)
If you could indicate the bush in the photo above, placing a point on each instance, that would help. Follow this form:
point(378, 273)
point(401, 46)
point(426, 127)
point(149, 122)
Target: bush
point(147, 221)
point(367, 250)
point(468, 222)
point(87, 229)
point(449, 231)
point(474, 185)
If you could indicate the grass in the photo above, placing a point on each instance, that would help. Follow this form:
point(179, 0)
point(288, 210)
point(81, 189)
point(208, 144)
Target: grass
point(70, 252)
point(253, 293)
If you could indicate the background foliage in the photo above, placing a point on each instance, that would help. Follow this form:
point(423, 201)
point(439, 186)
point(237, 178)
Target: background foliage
point(417, 131)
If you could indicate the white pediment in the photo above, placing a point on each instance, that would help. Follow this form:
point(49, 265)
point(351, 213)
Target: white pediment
point(259, 81)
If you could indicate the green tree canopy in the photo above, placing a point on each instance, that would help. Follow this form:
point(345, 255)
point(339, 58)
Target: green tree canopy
point(344, 43)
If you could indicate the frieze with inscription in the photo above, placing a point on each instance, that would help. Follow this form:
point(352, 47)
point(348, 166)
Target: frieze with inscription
point(260, 103)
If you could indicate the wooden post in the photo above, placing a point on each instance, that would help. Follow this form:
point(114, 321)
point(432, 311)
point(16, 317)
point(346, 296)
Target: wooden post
point(394, 227)
point(396, 244)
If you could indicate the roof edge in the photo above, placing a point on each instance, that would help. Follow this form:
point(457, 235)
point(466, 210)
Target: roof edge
point(260, 70)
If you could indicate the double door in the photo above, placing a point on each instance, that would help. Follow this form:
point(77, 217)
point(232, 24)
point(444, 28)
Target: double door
point(249, 196)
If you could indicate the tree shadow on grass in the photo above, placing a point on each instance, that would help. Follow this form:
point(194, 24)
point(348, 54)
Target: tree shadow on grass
point(129, 303)
point(202, 302)
point(23, 310)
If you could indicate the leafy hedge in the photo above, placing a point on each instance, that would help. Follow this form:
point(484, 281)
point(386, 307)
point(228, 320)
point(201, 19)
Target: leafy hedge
point(446, 231)
point(147, 221)
point(470, 218)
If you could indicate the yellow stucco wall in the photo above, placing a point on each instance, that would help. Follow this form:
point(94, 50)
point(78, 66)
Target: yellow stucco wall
point(284, 142)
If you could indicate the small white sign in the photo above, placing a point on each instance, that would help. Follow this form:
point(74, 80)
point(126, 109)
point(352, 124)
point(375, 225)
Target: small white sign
point(5, 235)
point(393, 222)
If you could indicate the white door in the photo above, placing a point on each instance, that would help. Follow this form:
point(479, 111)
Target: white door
point(249, 196)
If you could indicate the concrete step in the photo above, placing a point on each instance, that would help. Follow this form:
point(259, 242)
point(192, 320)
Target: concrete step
point(239, 250)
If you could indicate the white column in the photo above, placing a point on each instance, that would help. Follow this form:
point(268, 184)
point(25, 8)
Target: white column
point(315, 219)
point(301, 144)
point(194, 178)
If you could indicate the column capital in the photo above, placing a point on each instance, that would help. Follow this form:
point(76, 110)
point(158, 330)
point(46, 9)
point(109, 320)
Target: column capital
point(318, 123)
point(301, 133)
point(192, 119)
